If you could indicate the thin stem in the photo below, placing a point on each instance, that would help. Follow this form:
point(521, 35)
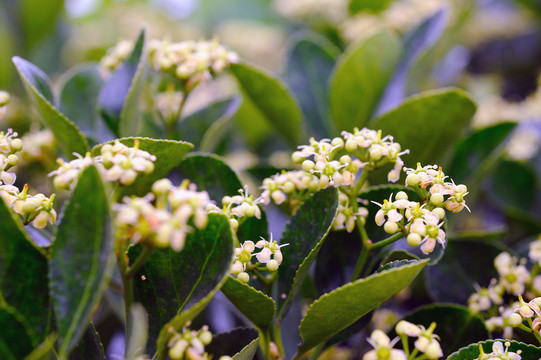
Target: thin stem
point(172, 122)
point(278, 339)
point(264, 343)
point(127, 281)
point(314, 354)
point(387, 241)
point(535, 333)
point(141, 258)
point(363, 256)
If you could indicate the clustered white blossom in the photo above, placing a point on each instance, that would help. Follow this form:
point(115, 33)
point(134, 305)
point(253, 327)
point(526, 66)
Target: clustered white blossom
point(115, 57)
point(514, 279)
point(190, 61)
point(422, 221)
point(270, 255)
point(117, 163)
point(238, 207)
point(4, 101)
point(38, 146)
point(162, 217)
point(326, 11)
point(499, 353)
point(335, 163)
point(190, 344)
point(36, 209)
point(426, 342)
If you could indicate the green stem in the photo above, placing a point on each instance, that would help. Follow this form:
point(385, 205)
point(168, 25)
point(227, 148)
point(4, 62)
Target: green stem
point(172, 122)
point(278, 339)
point(387, 241)
point(264, 343)
point(127, 281)
point(363, 256)
point(535, 333)
point(314, 354)
point(141, 259)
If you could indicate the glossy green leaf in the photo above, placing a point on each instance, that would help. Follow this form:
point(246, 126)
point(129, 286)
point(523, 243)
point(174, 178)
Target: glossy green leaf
point(240, 344)
point(174, 286)
point(415, 43)
point(169, 153)
point(359, 79)
point(309, 67)
point(37, 86)
point(193, 128)
point(477, 153)
point(45, 350)
point(373, 6)
point(210, 173)
point(82, 258)
point(528, 352)
point(466, 262)
point(137, 332)
point(428, 123)
point(119, 97)
point(305, 233)
point(252, 303)
point(395, 264)
point(89, 347)
point(456, 325)
point(15, 343)
point(340, 308)
point(78, 100)
point(23, 271)
point(38, 19)
point(272, 100)
point(514, 185)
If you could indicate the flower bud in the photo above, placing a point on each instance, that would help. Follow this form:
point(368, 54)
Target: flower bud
point(401, 195)
point(40, 221)
point(244, 277)
point(205, 337)
point(176, 352)
point(433, 350)
point(439, 212)
point(412, 180)
point(351, 145)
point(162, 186)
point(308, 165)
point(272, 265)
point(390, 227)
point(13, 159)
point(514, 320)
point(414, 239)
point(297, 157)
point(436, 199)
point(234, 224)
point(16, 145)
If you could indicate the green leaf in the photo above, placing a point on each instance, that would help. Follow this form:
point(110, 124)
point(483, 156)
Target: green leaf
point(240, 344)
point(395, 264)
point(89, 347)
point(477, 153)
point(359, 79)
point(305, 234)
point(177, 285)
point(252, 303)
point(377, 6)
point(428, 123)
point(340, 308)
point(271, 98)
point(119, 97)
point(78, 100)
point(37, 86)
point(45, 350)
point(456, 325)
point(529, 352)
point(210, 173)
point(23, 271)
point(415, 43)
point(193, 128)
point(38, 19)
point(15, 343)
point(309, 67)
point(169, 154)
point(82, 258)
point(514, 186)
point(137, 333)
point(466, 262)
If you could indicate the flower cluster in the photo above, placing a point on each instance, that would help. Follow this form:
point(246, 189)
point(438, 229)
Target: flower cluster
point(115, 57)
point(190, 344)
point(39, 146)
point(238, 207)
point(270, 255)
point(499, 353)
point(117, 163)
point(335, 163)
point(190, 61)
point(162, 217)
point(426, 342)
point(35, 209)
point(421, 226)
point(4, 101)
point(514, 279)
point(326, 11)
